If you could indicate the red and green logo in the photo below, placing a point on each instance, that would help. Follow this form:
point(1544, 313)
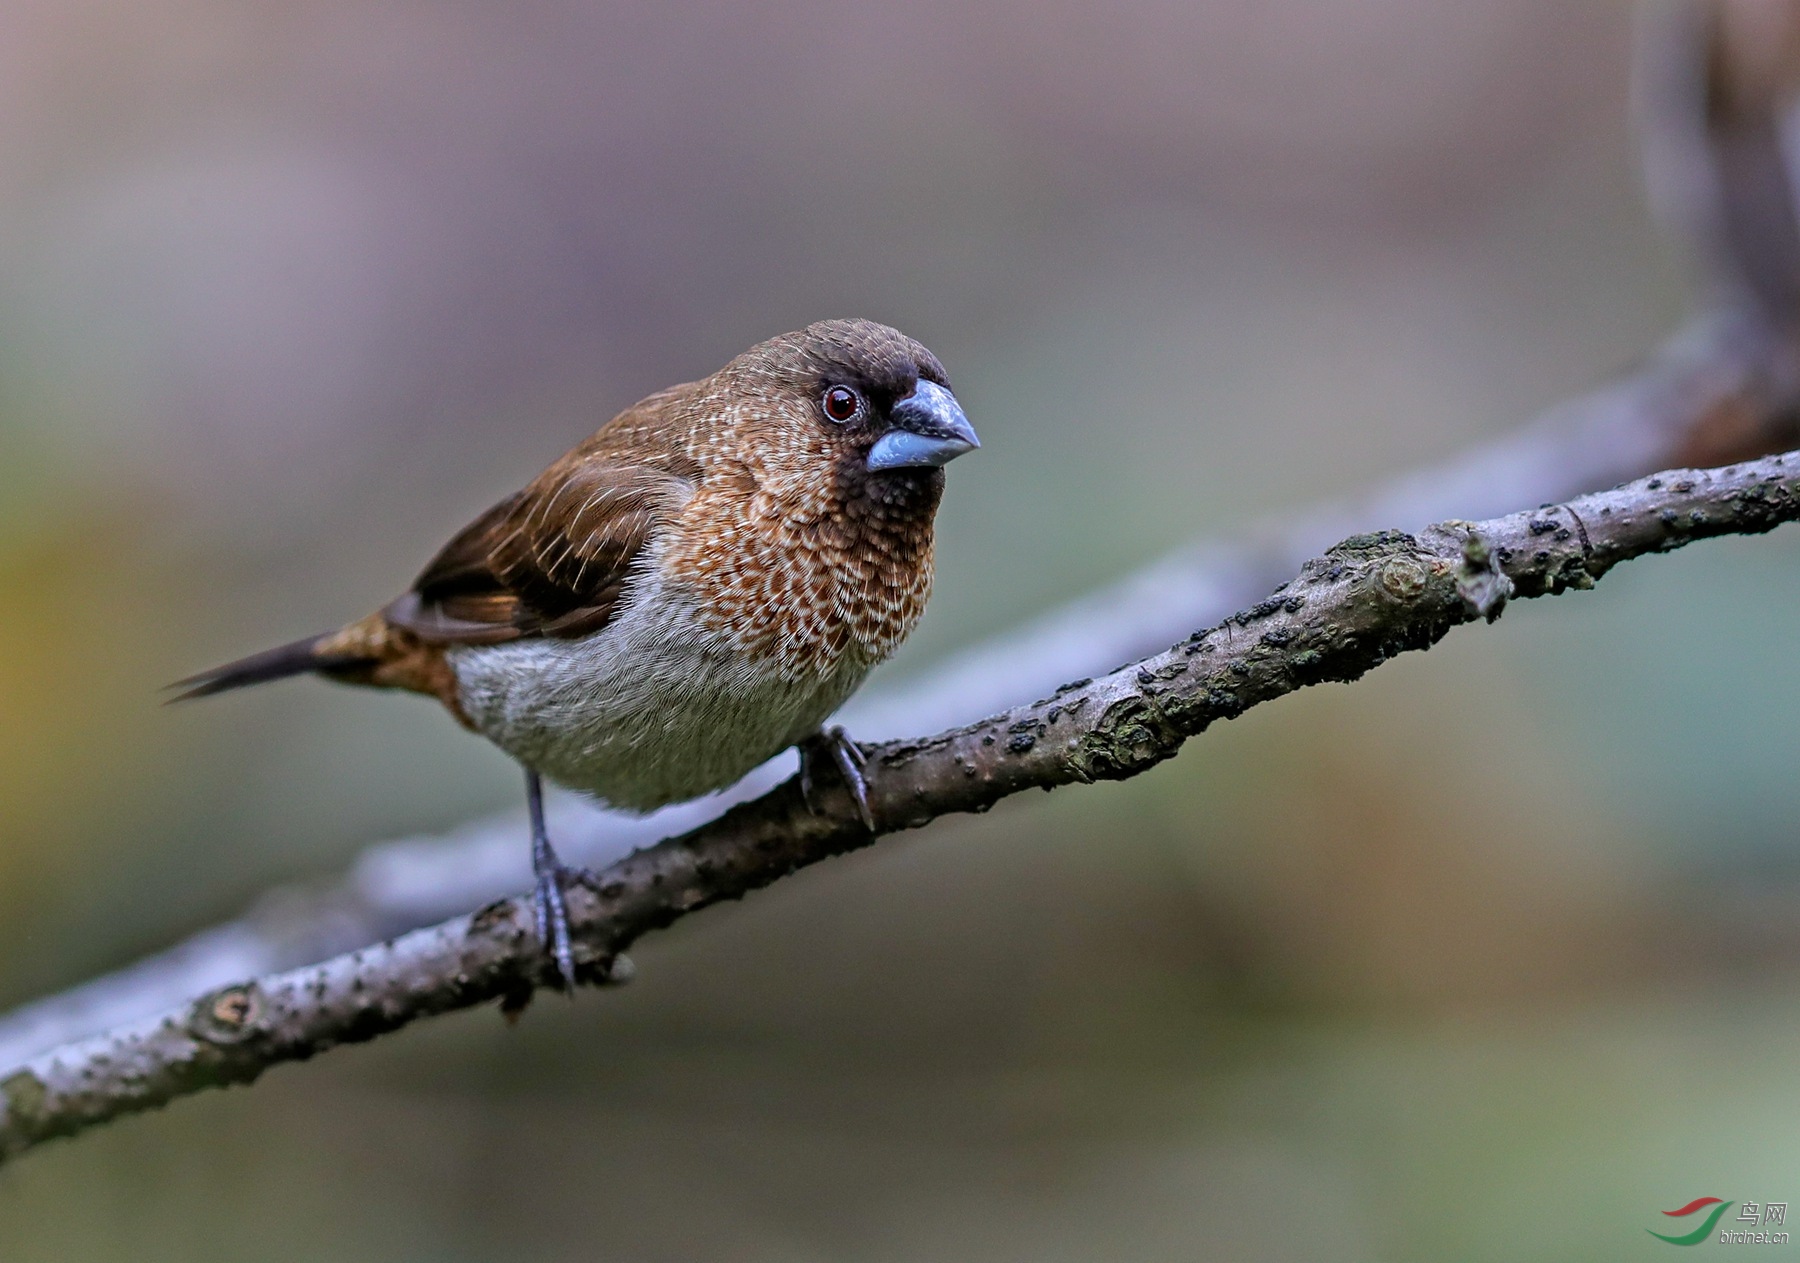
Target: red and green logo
point(1704, 1230)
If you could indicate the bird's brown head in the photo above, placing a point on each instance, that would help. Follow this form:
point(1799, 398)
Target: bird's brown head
point(846, 405)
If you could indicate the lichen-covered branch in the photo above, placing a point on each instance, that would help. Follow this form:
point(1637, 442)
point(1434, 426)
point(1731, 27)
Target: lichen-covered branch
point(1725, 388)
point(1367, 599)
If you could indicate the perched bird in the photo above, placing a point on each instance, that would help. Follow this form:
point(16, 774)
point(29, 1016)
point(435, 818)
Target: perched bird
point(690, 591)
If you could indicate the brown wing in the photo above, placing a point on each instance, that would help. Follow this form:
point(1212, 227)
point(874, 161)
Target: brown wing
point(552, 560)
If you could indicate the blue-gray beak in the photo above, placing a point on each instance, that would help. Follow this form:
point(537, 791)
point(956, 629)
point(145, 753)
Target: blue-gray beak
point(929, 429)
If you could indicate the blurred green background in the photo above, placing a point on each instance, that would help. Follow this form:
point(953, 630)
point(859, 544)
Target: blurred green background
point(1492, 956)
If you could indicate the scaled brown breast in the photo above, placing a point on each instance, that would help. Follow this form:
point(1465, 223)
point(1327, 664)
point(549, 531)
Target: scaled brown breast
point(800, 572)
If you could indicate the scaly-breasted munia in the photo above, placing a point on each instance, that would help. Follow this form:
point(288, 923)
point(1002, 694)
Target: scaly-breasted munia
point(690, 591)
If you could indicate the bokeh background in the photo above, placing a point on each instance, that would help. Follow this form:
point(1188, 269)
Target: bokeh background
point(1491, 956)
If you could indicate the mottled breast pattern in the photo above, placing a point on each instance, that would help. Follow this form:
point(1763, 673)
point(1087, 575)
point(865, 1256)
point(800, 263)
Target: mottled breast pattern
point(790, 560)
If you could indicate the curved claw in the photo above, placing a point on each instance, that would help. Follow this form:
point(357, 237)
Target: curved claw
point(848, 758)
point(552, 916)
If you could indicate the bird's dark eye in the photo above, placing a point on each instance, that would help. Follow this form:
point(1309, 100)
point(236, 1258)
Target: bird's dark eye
point(842, 404)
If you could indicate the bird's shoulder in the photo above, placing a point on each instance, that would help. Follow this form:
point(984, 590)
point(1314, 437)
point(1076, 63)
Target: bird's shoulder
point(553, 560)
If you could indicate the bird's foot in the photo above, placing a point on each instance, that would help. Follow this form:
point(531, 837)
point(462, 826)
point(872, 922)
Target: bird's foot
point(549, 905)
point(847, 757)
point(550, 910)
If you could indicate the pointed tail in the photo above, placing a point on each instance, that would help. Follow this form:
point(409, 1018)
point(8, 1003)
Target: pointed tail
point(296, 658)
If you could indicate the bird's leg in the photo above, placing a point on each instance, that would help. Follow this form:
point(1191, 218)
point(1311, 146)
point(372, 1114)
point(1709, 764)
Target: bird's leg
point(547, 904)
point(847, 757)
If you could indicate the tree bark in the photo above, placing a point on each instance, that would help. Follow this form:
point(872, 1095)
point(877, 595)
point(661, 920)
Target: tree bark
point(1365, 600)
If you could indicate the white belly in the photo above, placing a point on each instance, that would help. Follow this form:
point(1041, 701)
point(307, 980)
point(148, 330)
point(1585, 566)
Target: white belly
point(653, 709)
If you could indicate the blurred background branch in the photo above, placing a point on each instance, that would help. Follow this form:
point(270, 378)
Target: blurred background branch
point(286, 292)
point(1722, 389)
point(1367, 600)
point(1719, 92)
